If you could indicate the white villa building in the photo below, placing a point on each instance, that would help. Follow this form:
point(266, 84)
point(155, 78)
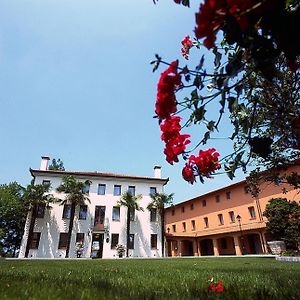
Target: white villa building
point(101, 224)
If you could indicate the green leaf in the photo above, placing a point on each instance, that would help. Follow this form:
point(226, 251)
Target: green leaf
point(198, 114)
point(211, 125)
point(232, 104)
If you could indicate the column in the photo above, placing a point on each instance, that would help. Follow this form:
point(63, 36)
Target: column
point(216, 249)
point(199, 248)
point(195, 248)
point(237, 247)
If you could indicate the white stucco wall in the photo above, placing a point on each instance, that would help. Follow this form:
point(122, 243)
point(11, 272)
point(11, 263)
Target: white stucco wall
point(52, 224)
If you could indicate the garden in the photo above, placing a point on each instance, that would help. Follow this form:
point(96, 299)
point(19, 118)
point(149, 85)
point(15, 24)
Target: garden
point(178, 278)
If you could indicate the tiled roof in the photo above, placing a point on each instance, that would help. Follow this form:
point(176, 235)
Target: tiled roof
point(95, 174)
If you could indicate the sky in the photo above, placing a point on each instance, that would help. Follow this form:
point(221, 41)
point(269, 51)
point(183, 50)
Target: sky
point(76, 84)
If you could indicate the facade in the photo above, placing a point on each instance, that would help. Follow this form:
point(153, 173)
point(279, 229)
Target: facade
point(99, 225)
point(227, 221)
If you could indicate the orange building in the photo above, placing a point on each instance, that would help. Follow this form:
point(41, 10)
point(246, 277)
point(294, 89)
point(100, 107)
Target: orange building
point(227, 221)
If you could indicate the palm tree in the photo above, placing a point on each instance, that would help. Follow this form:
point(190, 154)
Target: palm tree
point(34, 197)
point(74, 195)
point(159, 200)
point(131, 202)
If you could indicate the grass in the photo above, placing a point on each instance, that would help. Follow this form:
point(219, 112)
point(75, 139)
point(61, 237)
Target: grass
point(244, 278)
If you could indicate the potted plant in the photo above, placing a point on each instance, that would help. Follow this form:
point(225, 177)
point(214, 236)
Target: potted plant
point(120, 250)
point(79, 249)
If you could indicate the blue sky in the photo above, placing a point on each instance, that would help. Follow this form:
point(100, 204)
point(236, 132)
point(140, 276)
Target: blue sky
point(76, 84)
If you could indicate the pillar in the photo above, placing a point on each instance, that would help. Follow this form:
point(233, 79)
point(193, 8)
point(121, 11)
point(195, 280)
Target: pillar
point(216, 249)
point(195, 248)
point(237, 247)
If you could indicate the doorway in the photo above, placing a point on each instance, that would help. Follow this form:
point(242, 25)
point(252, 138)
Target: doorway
point(97, 245)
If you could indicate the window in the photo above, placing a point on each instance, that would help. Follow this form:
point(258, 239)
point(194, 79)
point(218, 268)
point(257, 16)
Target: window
point(86, 188)
point(40, 210)
point(114, 240)
point(67, 211)
point(231, 216)
point(182, 209)
point(153, 190)
point(116, 213)
point(183, 226)
point(223, 243)
point(63, 238)
point(173, 212)
point(131, 190)
point(132, 214)
point(117, 190)
point(203, 203)
point(35, 240)
point(205, 222)
point(82, 212)
point(193, 223)
point(228, 195)
point(252, 212)
point(192, 206)
point(218, 198)
point(101, 189)
point(174, 227)
point(131, 241)
point(46, 183)
point(221, 219)
point(99, 216)
point(153, 241)
point(153, 215)
point(80, 238)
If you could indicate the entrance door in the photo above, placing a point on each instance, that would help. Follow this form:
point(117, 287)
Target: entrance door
point(97, 245)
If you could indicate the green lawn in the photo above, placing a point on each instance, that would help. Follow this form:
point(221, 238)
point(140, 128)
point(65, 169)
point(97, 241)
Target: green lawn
point(244, 278)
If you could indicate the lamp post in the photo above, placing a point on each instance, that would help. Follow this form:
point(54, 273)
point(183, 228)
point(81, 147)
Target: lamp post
point(238, 217)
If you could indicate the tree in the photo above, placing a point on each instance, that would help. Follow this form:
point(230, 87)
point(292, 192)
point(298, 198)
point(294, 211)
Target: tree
point(284, 221)
point(13, 214)
point(74, 195)
point(131, 203)
point(254, 79)
point(56, 165)
point(36, 197)
point(159, 201)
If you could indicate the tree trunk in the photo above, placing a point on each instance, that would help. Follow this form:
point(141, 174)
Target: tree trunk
point(71, 223)
point(162, 215)
point(31, 228)
point(128, 231)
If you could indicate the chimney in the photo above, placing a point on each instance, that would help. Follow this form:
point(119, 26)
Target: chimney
point(157, 171)
point(44, 163)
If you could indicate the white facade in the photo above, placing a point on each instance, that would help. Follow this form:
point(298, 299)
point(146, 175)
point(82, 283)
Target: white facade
point(97, 237)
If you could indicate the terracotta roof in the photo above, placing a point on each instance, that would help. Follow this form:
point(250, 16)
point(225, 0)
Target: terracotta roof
point(95, 174)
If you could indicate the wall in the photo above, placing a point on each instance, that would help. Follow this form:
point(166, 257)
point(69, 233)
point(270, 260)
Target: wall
point(52, 224)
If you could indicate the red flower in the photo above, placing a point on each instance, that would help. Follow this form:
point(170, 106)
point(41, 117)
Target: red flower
point(219, 287)
point(166, 100)
point(209, 20)
point(211, 287)
point(206, 162)
point(187, 44)
point(212, 16)
point(216, 287)
point(188, 174)
point(170, 128)
point(175, 142)
point(175, 147)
